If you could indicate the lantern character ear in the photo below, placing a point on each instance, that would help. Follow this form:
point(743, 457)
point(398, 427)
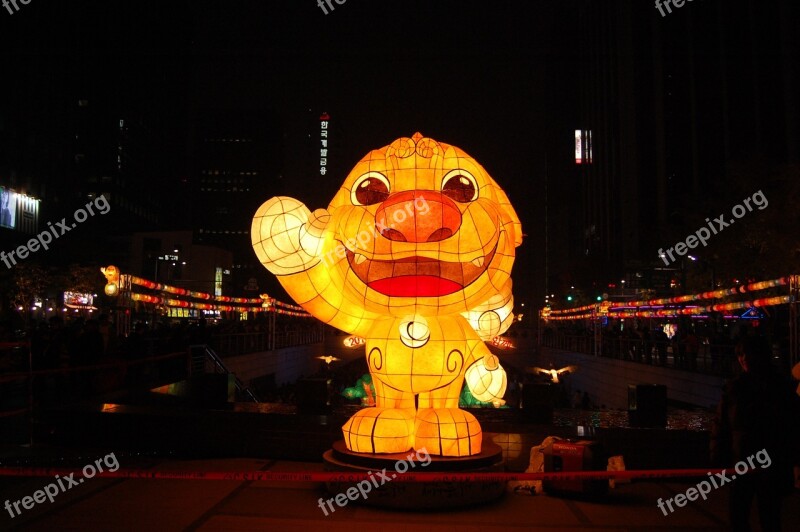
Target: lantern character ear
point(287, 237)
point(510, 219)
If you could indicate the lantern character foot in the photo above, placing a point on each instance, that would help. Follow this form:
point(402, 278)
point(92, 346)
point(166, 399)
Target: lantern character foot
point(447, 432)
point(380, 430)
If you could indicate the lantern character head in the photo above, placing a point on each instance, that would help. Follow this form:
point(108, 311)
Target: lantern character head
point(420, 227)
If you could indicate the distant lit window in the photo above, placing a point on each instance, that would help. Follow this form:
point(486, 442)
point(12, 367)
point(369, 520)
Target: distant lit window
point(583, 146)
point(218, 281)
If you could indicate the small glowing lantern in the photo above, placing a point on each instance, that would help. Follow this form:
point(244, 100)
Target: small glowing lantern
point(112, 280)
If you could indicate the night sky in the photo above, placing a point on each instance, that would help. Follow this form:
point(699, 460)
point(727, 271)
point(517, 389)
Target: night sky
point(489, 77)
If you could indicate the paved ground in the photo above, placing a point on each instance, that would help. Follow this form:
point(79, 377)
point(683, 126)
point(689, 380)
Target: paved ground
point(167, 505)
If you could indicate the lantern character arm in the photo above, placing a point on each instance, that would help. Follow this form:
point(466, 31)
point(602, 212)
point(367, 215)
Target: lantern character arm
point(329, 306)
point(486, 378)
point(494, 316)
point(287, 237)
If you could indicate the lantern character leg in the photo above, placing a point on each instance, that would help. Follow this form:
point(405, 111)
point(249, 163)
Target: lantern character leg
point(442, 428)
point(389, 397)
point(386, 428)
point(444, 397)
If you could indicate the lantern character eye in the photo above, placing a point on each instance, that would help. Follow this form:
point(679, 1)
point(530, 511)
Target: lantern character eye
point(459, 185)
point(369, 189)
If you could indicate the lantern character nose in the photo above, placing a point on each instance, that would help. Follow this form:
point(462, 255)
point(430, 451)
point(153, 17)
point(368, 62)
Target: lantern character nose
point(418, 216)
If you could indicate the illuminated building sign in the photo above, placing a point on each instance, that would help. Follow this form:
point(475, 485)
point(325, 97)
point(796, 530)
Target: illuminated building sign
point(18, 211)
point(583, 146)
point(752, 314)
point(324, 120)
point(173, 312)
point(8, 208)
point(218, 282)
point(78, 300)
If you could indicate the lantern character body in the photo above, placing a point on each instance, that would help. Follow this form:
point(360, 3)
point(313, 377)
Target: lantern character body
point(414, 254)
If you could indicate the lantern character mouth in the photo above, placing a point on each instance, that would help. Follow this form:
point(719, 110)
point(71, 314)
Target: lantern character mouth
point(417, 276)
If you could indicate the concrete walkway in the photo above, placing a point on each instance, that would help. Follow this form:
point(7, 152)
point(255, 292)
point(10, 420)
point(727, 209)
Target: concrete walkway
point(167, 505)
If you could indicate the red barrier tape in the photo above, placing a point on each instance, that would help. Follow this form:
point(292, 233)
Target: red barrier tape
point(334, 476)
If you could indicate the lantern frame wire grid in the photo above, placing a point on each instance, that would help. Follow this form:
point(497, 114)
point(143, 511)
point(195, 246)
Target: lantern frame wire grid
point(413, 254)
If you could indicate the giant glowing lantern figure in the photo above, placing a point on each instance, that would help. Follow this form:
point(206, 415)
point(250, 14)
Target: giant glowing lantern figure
point(414, 254)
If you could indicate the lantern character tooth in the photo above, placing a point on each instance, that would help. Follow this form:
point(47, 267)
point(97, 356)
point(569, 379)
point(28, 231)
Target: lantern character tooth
point(360, 258)
point(478, 263)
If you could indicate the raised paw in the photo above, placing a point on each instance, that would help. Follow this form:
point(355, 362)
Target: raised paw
point(286, 236)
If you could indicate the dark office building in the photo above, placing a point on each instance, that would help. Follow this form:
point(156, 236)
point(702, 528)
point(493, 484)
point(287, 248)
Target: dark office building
point(236, 160)
point(653, 141)
point(114, 157)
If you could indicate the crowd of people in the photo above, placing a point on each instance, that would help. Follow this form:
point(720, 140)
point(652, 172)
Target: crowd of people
point(689, 346)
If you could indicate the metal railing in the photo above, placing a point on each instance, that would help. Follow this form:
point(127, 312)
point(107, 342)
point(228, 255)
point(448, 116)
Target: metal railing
point(202, 353)
point(714, 359)
point(232, 344)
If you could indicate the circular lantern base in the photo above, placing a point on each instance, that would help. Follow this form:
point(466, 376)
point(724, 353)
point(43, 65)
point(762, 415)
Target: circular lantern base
point(416, 495)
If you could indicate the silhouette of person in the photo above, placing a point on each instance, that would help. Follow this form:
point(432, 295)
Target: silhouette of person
point(692, 346)
point(758, 412)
